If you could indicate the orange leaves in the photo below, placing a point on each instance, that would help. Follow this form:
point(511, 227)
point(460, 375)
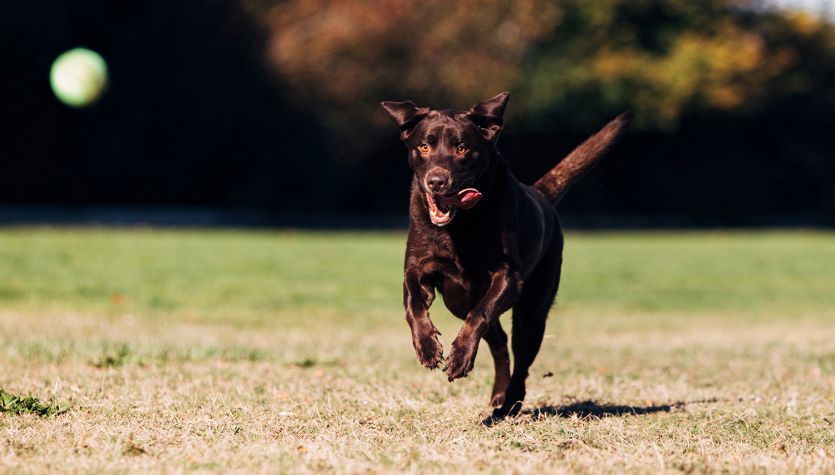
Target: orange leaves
point(339, 51)
point(665, 59)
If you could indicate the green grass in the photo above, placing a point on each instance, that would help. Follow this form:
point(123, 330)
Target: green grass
point(245, 276)
point(17, 404)
point(180, 350)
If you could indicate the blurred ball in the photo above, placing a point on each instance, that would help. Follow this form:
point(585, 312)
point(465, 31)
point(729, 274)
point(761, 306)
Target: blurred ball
point(78, 77)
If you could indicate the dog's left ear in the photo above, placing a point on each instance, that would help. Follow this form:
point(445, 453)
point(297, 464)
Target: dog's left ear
point(488, 115)
point(405, 115)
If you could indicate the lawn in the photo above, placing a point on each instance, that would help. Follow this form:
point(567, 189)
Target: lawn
point(210, 350)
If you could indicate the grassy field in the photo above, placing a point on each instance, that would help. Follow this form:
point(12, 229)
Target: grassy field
point(148, 350)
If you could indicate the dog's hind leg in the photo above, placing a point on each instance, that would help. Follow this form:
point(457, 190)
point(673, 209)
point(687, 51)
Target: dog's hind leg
point(529, 315)
point(497, 339)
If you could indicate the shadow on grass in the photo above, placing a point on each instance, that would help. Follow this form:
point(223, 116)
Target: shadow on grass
point(591, 409)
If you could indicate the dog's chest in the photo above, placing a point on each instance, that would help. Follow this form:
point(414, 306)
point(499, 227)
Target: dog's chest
point(460, 290)
point(462, 274)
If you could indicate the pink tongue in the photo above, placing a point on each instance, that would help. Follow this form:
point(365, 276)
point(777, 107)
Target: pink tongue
point(465, 199)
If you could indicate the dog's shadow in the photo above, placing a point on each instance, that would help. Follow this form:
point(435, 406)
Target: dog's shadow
point(591, 409)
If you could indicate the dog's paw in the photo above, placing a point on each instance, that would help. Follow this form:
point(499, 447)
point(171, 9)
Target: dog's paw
point(507, 409)
point(461, 359)
point(429, 351)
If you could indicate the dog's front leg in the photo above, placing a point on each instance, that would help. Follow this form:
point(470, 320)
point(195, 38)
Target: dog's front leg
point(417, 297)
point(505, 288)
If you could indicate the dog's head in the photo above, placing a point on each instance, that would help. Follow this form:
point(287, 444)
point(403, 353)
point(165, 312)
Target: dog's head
point(449, 151)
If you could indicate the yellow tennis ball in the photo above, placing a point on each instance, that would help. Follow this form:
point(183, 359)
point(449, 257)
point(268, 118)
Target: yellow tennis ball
point(78, 77)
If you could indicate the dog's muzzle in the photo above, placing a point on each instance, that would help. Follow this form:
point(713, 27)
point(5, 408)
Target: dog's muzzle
point(442, 208)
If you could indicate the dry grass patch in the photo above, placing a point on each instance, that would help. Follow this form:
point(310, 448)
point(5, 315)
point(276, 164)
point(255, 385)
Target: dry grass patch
point(197, 367)
point(704, 399)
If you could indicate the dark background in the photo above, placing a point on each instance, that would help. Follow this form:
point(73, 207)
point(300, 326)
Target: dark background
point(270, 107)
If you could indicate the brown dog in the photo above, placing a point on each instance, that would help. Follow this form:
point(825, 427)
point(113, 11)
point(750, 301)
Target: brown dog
point(484, 240)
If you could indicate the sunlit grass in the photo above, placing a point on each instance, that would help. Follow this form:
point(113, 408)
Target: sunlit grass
point(288, 351)
point(250, 276)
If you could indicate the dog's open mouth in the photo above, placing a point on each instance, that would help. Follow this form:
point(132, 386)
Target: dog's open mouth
point(440, 213)
point(442, 208)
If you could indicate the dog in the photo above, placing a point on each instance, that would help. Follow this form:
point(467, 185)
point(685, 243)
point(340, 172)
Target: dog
point(484, 240)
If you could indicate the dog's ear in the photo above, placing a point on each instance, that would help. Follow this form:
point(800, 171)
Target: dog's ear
point(487, 115)
point(405, 115)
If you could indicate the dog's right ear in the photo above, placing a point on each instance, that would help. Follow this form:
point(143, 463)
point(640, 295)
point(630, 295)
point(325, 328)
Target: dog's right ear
point(405, 115)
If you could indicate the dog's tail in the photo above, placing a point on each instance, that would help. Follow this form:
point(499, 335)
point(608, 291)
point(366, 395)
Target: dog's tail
point(556, 182)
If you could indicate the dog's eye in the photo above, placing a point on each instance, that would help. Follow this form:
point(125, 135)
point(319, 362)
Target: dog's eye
point(424, 148)
point(462, 149)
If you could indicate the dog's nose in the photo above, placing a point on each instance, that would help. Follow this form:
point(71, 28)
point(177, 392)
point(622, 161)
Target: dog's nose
point(436, 182)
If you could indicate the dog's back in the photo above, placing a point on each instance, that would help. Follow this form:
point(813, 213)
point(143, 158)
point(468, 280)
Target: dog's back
point(537, 219)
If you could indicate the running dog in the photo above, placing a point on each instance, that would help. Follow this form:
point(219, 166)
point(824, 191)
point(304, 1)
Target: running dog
point(481, 238)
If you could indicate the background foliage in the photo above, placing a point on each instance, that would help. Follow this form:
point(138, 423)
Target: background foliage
point(274, 104)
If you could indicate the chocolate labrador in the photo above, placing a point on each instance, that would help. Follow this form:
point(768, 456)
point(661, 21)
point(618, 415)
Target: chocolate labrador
point(484, 240)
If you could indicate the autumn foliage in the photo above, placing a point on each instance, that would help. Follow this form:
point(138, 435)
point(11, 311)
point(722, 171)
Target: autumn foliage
point(665, 59)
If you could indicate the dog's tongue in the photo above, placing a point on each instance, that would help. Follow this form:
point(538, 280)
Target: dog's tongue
point(464, 199)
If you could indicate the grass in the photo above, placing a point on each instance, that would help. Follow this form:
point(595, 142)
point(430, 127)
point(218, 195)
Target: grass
point(288, 352)
point(16, 404)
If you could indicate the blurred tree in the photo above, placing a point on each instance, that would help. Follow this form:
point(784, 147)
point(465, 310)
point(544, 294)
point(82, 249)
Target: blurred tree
point(664, 58)
point(345, 56)
point(274, 103)
point(712, 82)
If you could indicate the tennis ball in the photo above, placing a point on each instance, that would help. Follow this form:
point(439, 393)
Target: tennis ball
point(78, 77)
